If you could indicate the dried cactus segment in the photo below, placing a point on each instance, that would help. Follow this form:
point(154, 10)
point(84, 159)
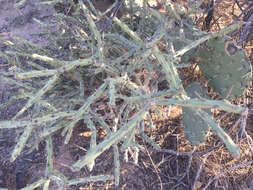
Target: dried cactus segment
point(225, 67)
point(195, 128)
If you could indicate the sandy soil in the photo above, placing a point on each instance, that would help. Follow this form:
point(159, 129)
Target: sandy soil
point(20, 21)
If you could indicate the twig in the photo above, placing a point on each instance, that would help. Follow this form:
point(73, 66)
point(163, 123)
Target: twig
point(245, 30)
point(243, 124)
point(155, 167)
point(227, 171)
point(113, 14)
point(199, 170)
point(188, 153)
point(189, 165)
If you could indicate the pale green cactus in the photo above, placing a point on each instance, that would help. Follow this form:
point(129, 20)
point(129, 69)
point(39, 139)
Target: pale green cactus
point(225, 67)
point(195, 128)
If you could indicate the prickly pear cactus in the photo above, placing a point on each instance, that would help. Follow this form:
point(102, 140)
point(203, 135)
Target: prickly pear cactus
point(195, 129)
point(182, 36)
point(225, 67)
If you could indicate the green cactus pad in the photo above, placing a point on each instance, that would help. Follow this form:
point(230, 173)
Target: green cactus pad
point(187, 36)
point(225, 67)
point(195, 128)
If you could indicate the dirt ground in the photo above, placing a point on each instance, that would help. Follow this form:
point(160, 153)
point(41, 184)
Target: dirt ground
point(178, 166)
point(20, 21)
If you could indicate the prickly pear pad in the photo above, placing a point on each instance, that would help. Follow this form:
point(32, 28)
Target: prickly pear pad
point(195, 128)
point(225, 67)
